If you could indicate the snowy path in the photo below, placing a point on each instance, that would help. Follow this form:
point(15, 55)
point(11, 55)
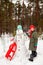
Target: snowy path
point(16, 61)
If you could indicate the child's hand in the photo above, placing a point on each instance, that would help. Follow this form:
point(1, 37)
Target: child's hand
point(35, 46)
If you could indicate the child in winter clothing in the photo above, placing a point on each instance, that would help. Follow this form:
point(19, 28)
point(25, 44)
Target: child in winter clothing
point(33, 42)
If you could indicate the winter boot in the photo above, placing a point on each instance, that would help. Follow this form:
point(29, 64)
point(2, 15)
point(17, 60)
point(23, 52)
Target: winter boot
point(31, 58)
point(34, 53)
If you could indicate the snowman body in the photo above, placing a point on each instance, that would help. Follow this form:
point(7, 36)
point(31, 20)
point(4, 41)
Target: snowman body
point(20, 40)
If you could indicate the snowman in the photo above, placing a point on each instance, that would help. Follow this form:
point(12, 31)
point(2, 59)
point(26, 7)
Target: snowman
point(20, 40)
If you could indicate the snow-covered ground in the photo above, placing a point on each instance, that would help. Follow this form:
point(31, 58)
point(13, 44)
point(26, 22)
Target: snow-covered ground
point(4, 45)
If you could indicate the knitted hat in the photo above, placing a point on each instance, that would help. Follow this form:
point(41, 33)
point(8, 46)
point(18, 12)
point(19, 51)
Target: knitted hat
point(19, 27)
point(32, 27)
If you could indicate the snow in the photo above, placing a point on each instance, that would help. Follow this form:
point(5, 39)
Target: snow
point(4, 45)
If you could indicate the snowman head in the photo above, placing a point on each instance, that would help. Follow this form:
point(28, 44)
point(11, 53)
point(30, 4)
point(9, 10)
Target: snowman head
point(19, 29)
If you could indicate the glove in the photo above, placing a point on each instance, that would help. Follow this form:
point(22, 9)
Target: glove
point(35, 45)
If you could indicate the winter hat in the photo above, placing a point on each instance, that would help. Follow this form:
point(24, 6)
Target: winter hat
point(32, 27)
point(19, 27)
